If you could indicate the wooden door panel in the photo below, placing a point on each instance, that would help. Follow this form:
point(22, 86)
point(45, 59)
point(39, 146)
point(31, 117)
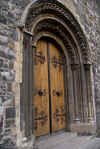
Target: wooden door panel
point(49, 92)
point(41, 96)
point(57, 88)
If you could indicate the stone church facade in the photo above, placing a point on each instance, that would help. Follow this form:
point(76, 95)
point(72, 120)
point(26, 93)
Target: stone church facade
point(26, 26)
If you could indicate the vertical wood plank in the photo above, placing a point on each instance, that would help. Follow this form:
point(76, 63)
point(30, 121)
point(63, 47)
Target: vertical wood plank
point(57, 85)
point(41, 102)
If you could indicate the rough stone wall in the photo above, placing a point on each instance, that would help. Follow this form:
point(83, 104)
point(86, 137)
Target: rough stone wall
point(89, 16)
point(10, 12)
point(87, 13)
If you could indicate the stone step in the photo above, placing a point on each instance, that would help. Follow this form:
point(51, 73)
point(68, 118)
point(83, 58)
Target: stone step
point(62, 141)
point(50, 138)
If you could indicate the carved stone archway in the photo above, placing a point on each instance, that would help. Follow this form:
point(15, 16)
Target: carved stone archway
point(51, 19)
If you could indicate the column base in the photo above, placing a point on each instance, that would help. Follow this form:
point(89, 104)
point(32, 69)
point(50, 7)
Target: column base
point(98, 133)
point(83, 128)
point(76, 121)
point(26, 143)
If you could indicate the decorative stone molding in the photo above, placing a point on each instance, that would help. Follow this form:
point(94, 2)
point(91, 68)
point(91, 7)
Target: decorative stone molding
point(54, 7)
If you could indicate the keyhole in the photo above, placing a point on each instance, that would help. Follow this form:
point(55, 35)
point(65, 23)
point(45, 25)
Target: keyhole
point(58, 93)
point(40, 92)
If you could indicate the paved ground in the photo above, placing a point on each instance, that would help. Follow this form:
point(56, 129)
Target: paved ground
point(68, 141)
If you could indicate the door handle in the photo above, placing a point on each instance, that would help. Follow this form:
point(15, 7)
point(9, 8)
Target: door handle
point(42, 92)
point(57, 93)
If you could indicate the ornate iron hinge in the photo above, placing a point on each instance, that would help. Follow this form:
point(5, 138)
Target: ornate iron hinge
point(40, 116)
point(60, 62)
point(60, 114)
point(39, 57)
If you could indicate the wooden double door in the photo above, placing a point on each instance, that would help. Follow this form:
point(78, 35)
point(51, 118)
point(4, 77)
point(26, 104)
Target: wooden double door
point(49, 102)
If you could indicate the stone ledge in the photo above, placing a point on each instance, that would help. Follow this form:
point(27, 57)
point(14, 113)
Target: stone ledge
point(83, 128)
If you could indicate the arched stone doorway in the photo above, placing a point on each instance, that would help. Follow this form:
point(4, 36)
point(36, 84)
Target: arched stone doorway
point(50, 19)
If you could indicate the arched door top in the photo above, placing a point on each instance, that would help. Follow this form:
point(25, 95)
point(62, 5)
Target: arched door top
point(64, 25)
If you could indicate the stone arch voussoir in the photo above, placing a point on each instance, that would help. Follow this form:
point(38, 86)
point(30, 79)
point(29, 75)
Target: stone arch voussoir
point(58, 10)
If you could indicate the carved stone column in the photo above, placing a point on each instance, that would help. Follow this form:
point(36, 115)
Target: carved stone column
point(90, 103)
point(76, 92)
point(69, 96)
point(26, 137)
point(84, 94)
